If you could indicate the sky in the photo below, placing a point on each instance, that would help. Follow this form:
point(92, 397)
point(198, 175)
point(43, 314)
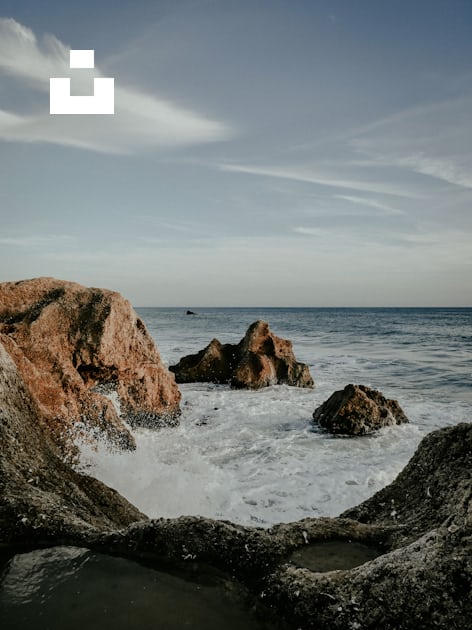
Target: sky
point(262, 152)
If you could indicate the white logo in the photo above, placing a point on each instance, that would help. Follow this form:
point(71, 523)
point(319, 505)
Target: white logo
point(102, 101)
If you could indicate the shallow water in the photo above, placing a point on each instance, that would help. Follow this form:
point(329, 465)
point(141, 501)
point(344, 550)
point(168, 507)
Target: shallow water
point(76, 589)
point(256, 457)
point(333, 555)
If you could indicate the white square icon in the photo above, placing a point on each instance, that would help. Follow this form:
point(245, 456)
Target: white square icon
point(101, 102)
point(82, 58)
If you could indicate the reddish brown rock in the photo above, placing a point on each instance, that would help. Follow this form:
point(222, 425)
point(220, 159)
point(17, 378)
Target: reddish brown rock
point(72, 345)
point(357, 410)
point(40, 495)
point(260, 359)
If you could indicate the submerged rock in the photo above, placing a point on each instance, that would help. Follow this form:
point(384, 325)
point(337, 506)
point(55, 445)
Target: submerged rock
point(78, 348)
point(358, 410)
point(260, 359)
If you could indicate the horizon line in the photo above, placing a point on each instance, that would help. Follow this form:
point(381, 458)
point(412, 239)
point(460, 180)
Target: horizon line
point(185, 306)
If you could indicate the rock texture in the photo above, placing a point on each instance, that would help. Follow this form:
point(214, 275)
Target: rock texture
point(358, 410)
point(41, 497)
point(260, 359)
point(422, 524)
point(72, 345)
point(425, 578)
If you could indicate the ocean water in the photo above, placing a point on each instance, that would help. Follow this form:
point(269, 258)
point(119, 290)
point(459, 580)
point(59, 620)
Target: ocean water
point(256, 458)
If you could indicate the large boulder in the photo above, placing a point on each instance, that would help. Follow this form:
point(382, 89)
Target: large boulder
point(358, 410)
point(260, 359)
point(86, 358)
point(41, 497)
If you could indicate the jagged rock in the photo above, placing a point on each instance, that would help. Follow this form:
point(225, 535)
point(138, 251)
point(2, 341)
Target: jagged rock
point(358, 410)
point(41, 497)
point(433, 490)
point(421, 525)
point(260, 359)
point(425, 578)
point(74, 344)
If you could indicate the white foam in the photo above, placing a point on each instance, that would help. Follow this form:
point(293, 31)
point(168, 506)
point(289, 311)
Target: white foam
point(252, 457)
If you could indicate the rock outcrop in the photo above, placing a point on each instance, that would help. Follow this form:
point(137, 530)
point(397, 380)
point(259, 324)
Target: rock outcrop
point(358, 410)
point(76, 349)
point(41, 497)
point(260, 359)
point(420, 525)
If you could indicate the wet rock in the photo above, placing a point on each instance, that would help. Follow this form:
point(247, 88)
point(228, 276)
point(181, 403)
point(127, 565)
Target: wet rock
point(358, 410)
point(78, 348)
point(433, 490)
point(260, 359)
point(421, 525)
point(41, 497)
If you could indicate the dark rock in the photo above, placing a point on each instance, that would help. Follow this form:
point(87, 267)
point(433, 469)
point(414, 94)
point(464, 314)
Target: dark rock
point(358, 410)
point(434, 488)
point(260, 359)
point(424, 579)
point(190, 313)
point(421, 525)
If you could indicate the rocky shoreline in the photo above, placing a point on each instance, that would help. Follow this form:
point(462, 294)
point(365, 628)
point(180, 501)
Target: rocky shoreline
point(420, 526)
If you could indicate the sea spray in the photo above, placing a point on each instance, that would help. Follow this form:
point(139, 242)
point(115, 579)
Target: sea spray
point(256, 457)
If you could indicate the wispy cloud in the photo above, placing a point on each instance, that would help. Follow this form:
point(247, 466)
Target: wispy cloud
point(314, 175)
point(28, 240)
point(433, 140)
point(309, 231)
point(141, 120)
point(370, 203)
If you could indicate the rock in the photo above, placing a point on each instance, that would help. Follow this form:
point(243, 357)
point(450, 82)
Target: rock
point(76, 349)
point(421, 525)
point(433, 490)
point(190, 313)
point(260, 359)
point(421, 579)
point(424, 579)
point(358, 410)
point(41, 497)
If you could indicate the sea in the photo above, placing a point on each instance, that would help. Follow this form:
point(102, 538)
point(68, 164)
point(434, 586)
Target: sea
point(256, 457)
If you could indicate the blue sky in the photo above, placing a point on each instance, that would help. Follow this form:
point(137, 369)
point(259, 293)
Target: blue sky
point(282, 152)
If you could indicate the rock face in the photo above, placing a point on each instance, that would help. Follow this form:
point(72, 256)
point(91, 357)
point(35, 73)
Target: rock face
point(72, 345)
point(433, 490)
point(260, 359)
point(41, 497)
point(358, 410)
point(421, 525)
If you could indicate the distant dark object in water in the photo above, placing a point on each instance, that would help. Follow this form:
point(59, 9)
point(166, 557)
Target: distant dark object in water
point(190, 313)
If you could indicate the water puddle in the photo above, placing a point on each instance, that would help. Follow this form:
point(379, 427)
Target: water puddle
point(74, 588)
point(333, 555)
